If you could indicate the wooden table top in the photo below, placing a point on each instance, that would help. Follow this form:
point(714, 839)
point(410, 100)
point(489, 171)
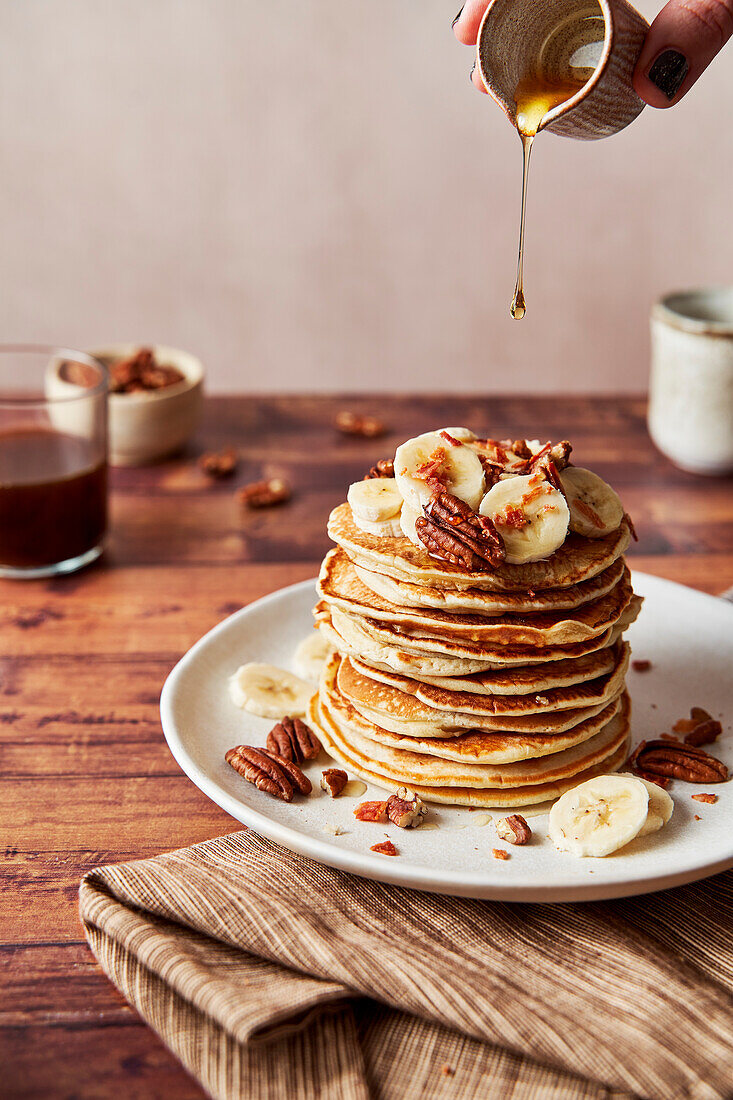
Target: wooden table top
point(85, 775)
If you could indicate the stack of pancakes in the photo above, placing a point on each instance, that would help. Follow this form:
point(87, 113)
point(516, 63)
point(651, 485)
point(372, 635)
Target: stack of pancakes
point(496, 689)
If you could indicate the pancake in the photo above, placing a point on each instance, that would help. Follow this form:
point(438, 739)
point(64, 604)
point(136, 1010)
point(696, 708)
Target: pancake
point(339, 586)
point(521, 679)
point(598, 690)
point(577, 559)
point(488, 602)
point(487, 798)
point(404, 714)
point(382, 643)
point(473, 746)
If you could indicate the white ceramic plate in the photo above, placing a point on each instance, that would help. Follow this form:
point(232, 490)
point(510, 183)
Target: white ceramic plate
point(688, 637)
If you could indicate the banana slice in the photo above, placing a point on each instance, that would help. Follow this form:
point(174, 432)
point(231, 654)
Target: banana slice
point(385, 528)
point(599, 816)
point(595, 508)
point(432, 455)
point(530, 515)
point(408, 516)
point(660, 806)
point(311, 655)
point(375, 499)
point(269, 692)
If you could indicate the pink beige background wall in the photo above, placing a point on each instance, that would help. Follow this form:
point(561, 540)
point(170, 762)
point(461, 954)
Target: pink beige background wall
point(310, 196)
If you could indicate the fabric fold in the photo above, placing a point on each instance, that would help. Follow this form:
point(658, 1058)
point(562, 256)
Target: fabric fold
point(243, 955)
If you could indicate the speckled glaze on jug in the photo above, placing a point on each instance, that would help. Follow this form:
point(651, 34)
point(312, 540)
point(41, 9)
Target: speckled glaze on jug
point(512, 33)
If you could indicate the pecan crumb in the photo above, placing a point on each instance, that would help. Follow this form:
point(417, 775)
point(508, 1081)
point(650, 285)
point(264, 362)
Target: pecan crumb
point(383, 468)
point(265, 494)
point(697, 817)
point(514, 829)
point(350, 423)
point(711, 798)
point(641, 665)
point(333, 781)
point(500, 853)
point(268, 771)
point(371, 811)
point(294, 740)
point(219, 464)
point(386, 848)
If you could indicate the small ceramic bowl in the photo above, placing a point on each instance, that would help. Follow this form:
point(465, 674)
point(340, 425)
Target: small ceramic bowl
point(149, 425)
point(513, 33)
point(691, 386)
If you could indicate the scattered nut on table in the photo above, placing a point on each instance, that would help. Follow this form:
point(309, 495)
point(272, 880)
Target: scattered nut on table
point(265, 494)
point(351, 423)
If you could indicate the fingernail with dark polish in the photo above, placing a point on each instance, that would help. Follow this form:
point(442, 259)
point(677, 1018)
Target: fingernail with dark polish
point(460, 13)
point(668, 72)
point(473, 70)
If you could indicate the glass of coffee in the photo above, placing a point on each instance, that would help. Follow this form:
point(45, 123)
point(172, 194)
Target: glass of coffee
point(53, 460)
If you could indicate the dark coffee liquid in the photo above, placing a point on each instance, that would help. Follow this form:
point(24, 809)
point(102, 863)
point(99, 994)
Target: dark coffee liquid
point(53, 497)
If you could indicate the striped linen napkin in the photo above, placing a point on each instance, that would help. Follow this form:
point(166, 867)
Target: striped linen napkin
point(271, 976)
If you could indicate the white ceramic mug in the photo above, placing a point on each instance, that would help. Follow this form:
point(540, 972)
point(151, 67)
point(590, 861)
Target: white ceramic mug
point(691, 386)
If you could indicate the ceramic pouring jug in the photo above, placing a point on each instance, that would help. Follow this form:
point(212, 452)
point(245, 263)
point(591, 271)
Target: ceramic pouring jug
point(514, 33)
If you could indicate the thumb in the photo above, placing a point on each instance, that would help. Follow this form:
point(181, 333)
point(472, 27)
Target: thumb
point(681, 43)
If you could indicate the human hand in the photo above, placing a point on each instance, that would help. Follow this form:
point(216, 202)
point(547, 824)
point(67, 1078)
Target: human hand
point(680, 44)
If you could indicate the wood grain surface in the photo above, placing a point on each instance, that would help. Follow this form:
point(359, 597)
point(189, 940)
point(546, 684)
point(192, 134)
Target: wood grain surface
point(85, 775)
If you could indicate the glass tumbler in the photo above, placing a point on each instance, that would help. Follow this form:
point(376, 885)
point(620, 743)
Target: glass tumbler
point(53, 460)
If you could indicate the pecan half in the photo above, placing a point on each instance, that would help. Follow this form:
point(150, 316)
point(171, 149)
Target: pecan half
point(268, 771)
point(685, 762)
point(514, 829)
point(454, 532)
point(351, 423)
point(386, 848)
point(333, 781)
point(641, 665)
point(293, 740)
point(383, 468)
point(405, 808)
point(265, 494)
point(371, 811)
point(219, 464)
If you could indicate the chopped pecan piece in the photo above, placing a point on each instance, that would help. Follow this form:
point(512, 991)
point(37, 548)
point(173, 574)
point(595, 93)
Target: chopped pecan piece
point(685, 762)
point(268, 771)
point(405, 808)
point(500, 853)
point(514, 829)
point(219, 464)
point(386, 848)
point(265, 494)
point(700, 728)
point(293, 740)
point(333, 781)
point(371, 811)
point(711, 798)
point(454, 532)
point(350, 423)
point(383, 468)
point(520, 449)
point(641, 665)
